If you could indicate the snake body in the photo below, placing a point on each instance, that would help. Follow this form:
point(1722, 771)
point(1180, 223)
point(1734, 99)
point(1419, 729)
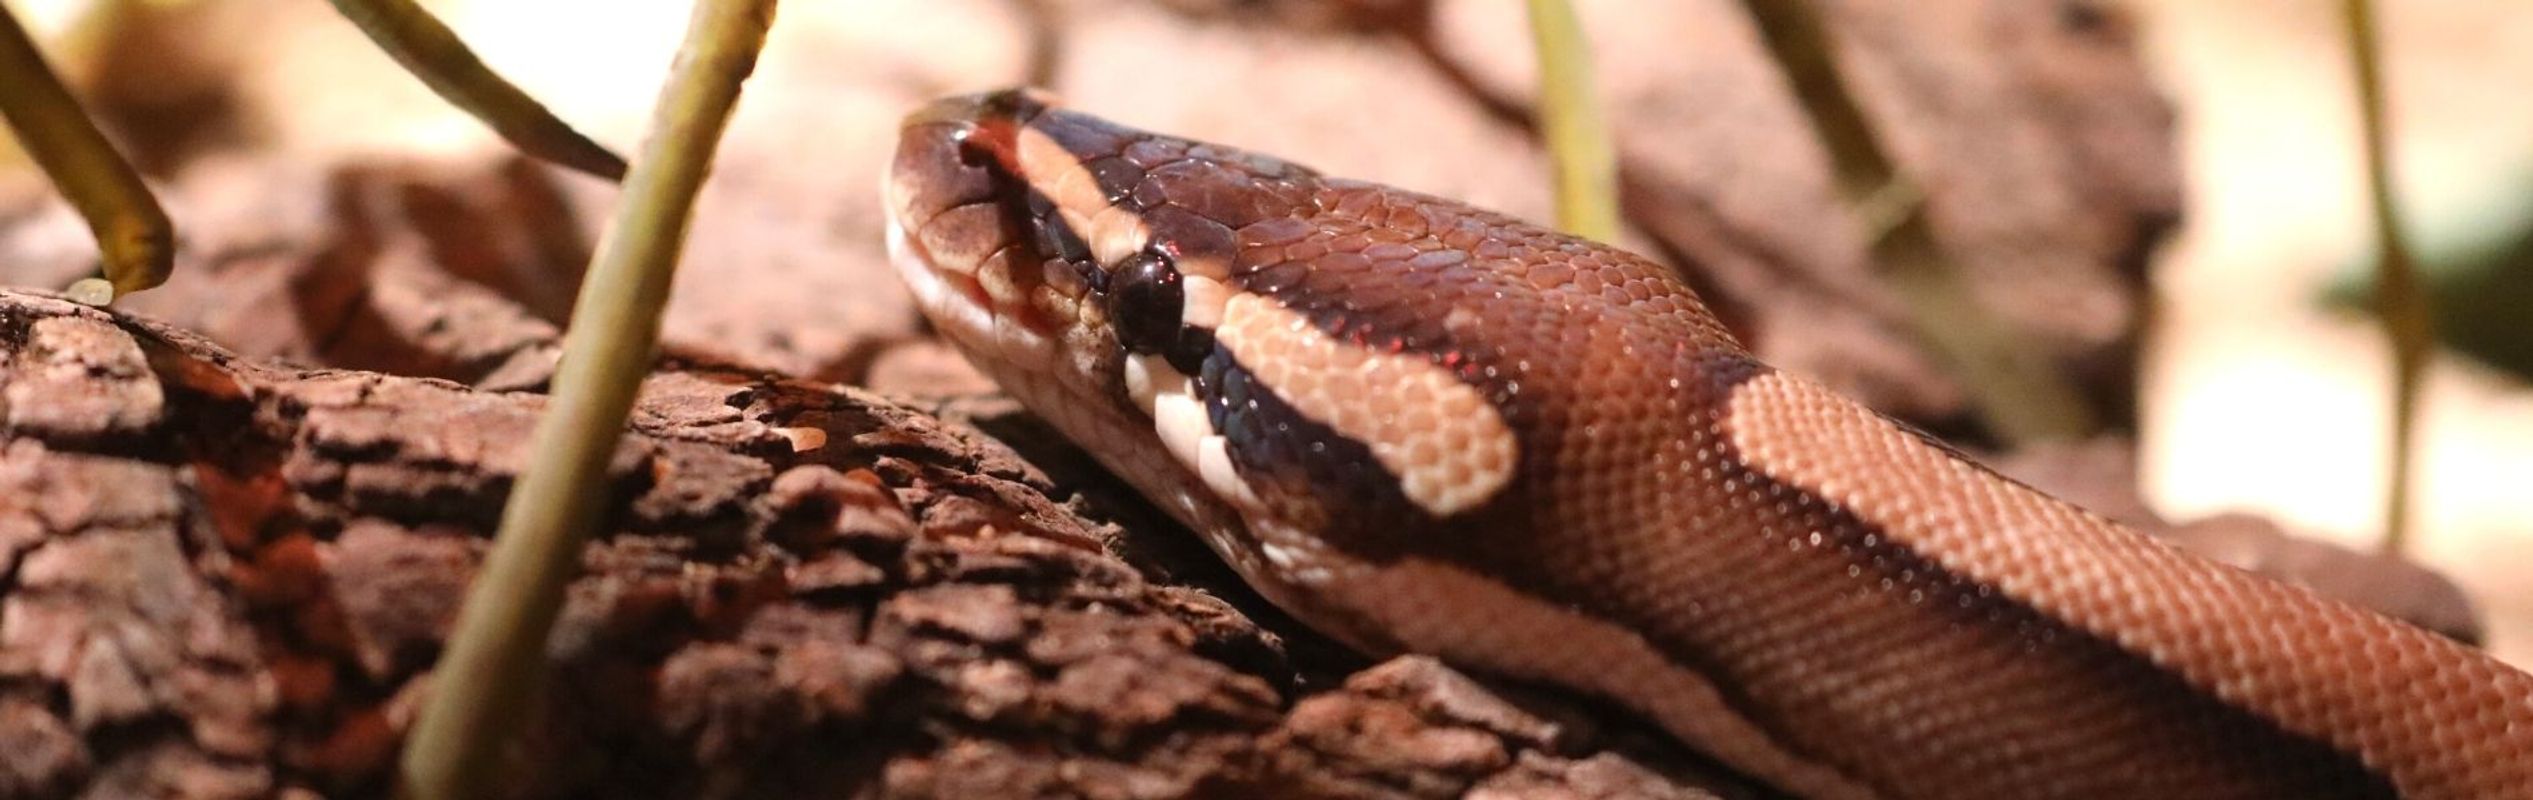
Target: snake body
point(1423, 427)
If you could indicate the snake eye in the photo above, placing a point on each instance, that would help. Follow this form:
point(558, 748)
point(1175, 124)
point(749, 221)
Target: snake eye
point(1145, 300)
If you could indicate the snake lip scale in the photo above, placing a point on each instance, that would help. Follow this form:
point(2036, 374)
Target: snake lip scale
point(1423, 427)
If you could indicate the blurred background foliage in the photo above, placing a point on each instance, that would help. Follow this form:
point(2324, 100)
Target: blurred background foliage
point(2475, 245)
point(2262, 385)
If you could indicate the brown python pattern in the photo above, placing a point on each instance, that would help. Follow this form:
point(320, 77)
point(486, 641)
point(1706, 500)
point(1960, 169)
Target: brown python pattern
point(1781, 578)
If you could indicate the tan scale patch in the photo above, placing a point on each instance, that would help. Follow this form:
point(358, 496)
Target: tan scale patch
point(1448, 446)
point(2438, 718)
point(1112, 233)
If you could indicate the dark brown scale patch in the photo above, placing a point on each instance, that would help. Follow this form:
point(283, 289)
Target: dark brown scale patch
point(1116, 176)
point(1278, 279)
point(1186, 234)
point(1905, 645)
point(1381, 303)
point(1153, 151)
point(1632, 507)
point(1851, 646)
point(1086, 137)
point(1050, 235)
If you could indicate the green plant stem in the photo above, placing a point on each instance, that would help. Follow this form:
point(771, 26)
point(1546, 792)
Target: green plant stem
point(2399, 303)
point(134, 238)
point(1570, 117)
point(2014, 385)
point(487, 680)
point(433, 53)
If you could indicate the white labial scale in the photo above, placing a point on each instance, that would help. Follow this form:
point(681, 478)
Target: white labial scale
point(1180, 420)
point(1282, 557)
point(1144, 377)
point(1213, 464)
point(1186, 431)
point(1205, 298)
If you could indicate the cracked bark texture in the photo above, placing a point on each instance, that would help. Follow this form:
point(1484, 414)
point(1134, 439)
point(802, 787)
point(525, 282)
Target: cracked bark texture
point(228, 579)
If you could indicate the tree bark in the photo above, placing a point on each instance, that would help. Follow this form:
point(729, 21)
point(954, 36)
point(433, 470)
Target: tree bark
point(228, 578)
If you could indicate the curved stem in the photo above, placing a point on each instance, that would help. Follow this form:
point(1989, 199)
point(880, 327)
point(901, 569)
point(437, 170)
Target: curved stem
point(487, 680)
point(2015, 386)
point(433, 53)
point(2400, 304)
point(134, 238)
point(1570, 120)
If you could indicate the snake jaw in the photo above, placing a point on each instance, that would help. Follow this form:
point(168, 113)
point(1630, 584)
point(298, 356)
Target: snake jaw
point(960, 314)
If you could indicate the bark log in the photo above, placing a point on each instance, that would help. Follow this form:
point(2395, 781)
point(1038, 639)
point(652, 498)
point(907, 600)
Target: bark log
point(227, 578)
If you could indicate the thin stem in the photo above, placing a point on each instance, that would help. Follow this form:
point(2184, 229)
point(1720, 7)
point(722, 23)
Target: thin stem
point(1578, 136)
point(433, 53)
point(1043, 23)
point(134, 238)
point(487, 680)
point(1659, 211)
point(2015, 386)
point(2400, 304)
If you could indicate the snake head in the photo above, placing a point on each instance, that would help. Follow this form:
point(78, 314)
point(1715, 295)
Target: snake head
point(1280, 359)
point(1047, 233)
point(1085, 266)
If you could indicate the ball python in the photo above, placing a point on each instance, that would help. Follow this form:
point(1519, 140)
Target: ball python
point(1423, 427)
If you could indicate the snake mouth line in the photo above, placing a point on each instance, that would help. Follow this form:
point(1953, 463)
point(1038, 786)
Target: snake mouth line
point(958, 304)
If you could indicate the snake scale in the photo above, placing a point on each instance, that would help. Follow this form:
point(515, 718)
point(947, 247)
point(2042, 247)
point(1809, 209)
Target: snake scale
point(1423, 427)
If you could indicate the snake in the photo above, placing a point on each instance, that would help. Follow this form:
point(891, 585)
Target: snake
point(1421, 427)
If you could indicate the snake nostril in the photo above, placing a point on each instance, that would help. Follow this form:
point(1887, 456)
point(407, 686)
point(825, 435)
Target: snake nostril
point(972, 152)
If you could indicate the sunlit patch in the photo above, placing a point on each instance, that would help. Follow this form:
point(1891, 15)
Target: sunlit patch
point(1448, 446)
